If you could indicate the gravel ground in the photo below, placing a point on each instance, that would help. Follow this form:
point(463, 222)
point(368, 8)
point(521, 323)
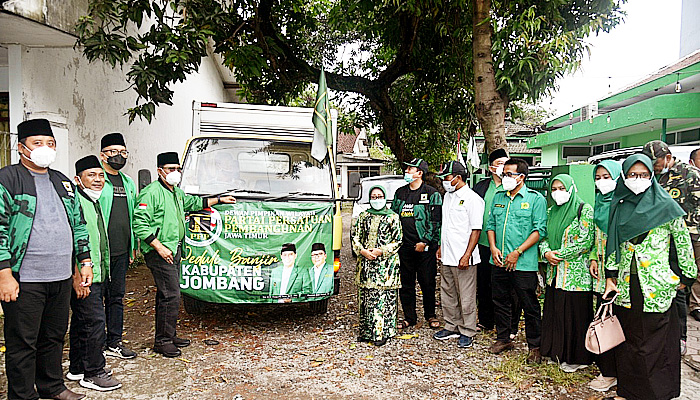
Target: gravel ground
point(285, 352)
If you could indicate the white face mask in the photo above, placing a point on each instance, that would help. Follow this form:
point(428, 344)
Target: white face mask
point(637, 185)
point(498, 171)
point(606, 185)
point(560, 196)
point(509, 183)
point(447, 185)
point(42, 156)
point(92, 194)
point(377, 204)
point(173, 178)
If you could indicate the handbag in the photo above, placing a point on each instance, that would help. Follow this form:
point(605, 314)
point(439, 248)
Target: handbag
point(605, 332)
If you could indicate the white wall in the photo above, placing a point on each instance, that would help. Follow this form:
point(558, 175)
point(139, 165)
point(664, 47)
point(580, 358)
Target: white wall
point(690, 27)
point(60, 80)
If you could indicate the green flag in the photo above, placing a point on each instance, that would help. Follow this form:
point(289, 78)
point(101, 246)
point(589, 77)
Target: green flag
point(323, 136)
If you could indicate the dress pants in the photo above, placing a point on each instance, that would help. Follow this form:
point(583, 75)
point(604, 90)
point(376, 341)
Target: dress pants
point(525, 285)
point(423, 267)
point(35, 326)
point(87, 333)
point(167, 280)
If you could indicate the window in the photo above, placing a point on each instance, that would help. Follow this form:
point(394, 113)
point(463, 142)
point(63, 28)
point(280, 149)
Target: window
point(605, 147)
point(690, 136)
point(365, 171)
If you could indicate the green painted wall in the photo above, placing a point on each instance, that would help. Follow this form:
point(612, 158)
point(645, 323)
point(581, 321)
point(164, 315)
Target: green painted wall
point(551, 156)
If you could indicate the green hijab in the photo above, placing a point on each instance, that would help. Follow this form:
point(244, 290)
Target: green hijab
point(632, 215)
point(601, 215)
point(560, 217)
point(383, 211)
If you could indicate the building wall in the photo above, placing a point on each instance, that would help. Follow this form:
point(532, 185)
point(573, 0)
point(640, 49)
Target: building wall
point(690, 27)
point(551, 156)
point(61, 81)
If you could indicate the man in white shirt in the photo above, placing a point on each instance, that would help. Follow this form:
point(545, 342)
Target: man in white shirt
point(462, 219)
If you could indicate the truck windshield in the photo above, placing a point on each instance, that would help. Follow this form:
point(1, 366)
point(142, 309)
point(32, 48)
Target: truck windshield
point(260, 168)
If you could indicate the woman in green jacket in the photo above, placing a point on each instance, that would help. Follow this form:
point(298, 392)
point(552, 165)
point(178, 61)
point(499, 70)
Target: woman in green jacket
point(643, 219)
point(568, 297)
point(606, 176)
point(376, 240)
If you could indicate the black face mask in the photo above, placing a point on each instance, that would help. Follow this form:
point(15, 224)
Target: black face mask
point(117, 162)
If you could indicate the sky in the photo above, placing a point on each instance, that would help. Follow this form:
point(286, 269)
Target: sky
point(647, 40)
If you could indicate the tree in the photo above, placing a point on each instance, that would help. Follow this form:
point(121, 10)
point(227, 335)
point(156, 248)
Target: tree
point(409, 61)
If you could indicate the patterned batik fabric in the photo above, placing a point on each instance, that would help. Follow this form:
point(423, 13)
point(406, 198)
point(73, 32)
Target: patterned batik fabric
point(598, 254)
point(659, 283)
point(573, 274)
point(378, 313)
point(384, 233)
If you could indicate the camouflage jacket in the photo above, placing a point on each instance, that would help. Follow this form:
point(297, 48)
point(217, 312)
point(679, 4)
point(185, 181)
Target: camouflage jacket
point(682, 182)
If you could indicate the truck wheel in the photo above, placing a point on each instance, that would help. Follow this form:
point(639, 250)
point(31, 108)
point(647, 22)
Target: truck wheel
point(319, 307)
point(194, 306)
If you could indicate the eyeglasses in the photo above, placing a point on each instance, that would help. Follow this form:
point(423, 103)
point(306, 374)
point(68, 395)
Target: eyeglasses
point(376, 197)
point(319, 254)
point(112, 153)
point(511, 174)
point(171, 169)
point(644, 175)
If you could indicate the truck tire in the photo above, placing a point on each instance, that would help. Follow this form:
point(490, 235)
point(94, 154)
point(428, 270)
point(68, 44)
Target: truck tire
point(194, 306)
point(319, 307)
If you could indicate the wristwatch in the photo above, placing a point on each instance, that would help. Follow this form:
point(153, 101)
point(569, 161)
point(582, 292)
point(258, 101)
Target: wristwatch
point(86, 264)
point(518, 250)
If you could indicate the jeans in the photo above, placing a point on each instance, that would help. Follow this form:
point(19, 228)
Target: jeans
point(421, 266)
point(167, 280)
point(35, 326)
point(525, 285)
point(114, 289)
point(87, 333)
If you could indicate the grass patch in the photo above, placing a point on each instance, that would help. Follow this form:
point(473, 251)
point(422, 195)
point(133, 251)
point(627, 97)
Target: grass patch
point(513, 367)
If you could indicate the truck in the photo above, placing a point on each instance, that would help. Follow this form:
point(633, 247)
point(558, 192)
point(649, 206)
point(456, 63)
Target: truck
point(280, 242)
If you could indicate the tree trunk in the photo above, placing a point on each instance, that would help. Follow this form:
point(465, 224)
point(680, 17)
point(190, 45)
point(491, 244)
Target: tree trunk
point(490, 105)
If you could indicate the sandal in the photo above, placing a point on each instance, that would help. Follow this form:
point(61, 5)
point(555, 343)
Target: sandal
point(403, 324)
point(434, 323)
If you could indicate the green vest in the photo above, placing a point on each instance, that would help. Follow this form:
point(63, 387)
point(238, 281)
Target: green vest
point(97, 232)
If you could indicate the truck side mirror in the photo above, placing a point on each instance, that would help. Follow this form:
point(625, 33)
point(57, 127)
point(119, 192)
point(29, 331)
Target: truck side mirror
point(144, 178)
point(354, 185)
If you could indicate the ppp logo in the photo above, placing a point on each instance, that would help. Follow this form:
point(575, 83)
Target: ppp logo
point(204, 227)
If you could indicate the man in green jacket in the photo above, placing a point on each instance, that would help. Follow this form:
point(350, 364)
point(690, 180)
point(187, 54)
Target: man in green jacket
point(320, 273)
point(87, 327)
point(159, 221)
point(420, 208)
point(117, 202)
point(42, 235)
point(289, 278)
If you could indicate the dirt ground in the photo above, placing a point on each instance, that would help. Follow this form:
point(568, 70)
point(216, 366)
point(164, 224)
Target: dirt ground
point(285, 352)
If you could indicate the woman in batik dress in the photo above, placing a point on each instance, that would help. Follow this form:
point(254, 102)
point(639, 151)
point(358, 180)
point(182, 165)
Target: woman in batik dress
point(606, 175)
point(376, 240)
point(568, 304)
point(643, 219)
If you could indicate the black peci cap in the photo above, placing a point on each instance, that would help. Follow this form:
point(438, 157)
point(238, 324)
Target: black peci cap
point(317, 247)
point(34, 127)
point(112, 139)
point(496, 154)
point(86, 162)
point(168, 158)
point(288, 247)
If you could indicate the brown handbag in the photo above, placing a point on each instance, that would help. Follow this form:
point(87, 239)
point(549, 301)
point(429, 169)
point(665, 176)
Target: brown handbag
point(605, 332)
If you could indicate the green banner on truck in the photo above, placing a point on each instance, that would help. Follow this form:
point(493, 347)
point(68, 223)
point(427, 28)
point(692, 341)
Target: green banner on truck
point(259, 252)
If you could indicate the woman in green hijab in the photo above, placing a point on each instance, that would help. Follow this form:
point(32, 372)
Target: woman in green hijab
point(643, 219)
point(606, 176)
point(568, 304)
point(376, 240)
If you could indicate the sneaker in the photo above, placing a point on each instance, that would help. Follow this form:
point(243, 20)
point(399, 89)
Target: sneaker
point(120, 351)
point(534, 356)
point(180, 342)
point(500, 346)
point(571, 367)
point(444, 334)
point(101, 382)
point(684, 348)
point(76, 377)
point(695, 314)
point(465, 342)
point(379, 343)
point(167, 350)
point(602, 384)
